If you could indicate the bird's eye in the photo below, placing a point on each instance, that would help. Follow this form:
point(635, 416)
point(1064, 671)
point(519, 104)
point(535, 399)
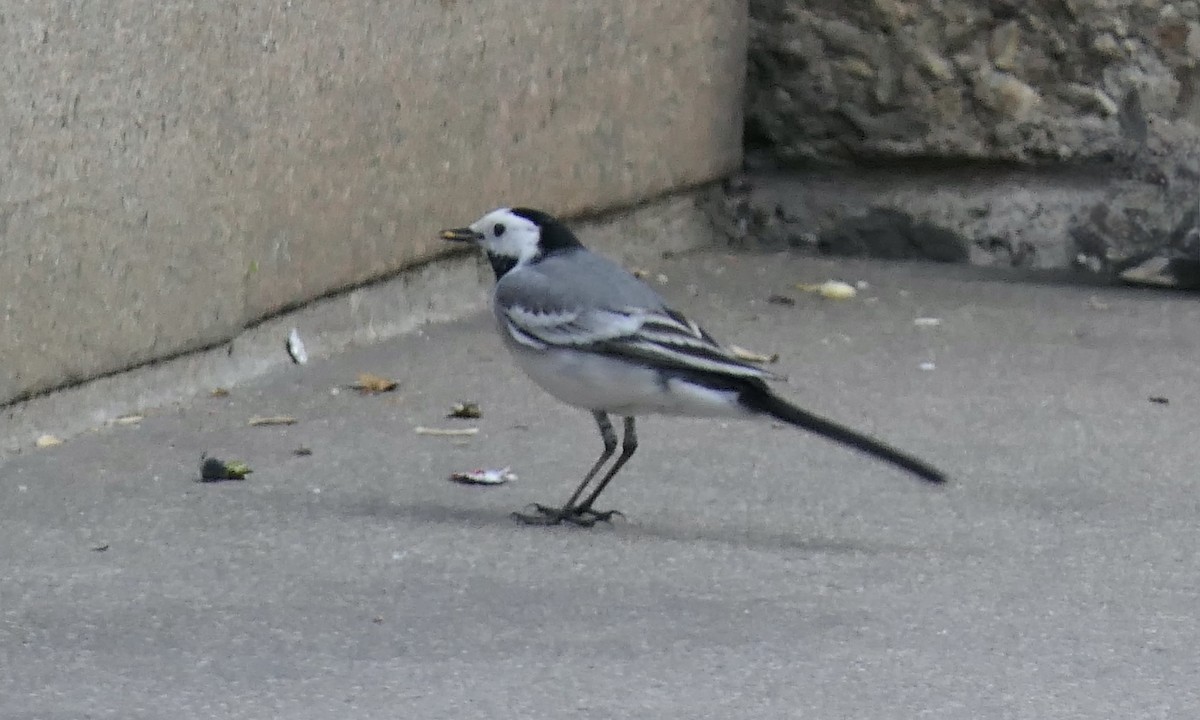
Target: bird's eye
point(498, 229)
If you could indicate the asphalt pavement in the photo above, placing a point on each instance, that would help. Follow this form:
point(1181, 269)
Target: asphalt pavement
point(758, 572)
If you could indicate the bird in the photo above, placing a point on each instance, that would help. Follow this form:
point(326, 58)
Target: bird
point(595, 337)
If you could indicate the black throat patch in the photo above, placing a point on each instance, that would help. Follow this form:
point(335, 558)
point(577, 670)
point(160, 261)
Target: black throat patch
point(501, 264)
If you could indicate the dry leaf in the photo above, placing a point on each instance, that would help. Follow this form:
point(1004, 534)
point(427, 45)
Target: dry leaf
point(45, 441)
point(295, 347)
point(750, 356)
point(219, 392)
point(273, 420)
point(447, 432)
point(214, 470)
point(830, 289)
point(369, 383)
point(467, 410)
point(484, 476)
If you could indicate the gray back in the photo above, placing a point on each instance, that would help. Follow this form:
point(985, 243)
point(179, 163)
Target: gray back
point(572, 280)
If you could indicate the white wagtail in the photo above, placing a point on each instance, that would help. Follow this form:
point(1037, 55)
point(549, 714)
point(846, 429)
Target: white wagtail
point(595, 337)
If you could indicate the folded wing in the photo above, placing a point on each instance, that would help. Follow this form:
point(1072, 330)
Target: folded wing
point(656, 338)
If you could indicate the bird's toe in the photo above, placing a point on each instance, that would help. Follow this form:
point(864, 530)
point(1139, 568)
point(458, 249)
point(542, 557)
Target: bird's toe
point(597, 515)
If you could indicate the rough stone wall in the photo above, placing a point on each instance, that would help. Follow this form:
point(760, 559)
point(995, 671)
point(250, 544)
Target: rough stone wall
point(1099, 96)
point(954, 79)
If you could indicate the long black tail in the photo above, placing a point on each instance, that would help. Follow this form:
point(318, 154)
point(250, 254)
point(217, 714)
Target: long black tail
point(759, 398)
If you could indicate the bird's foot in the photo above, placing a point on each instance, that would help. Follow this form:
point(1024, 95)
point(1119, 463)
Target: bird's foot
point(542, 516)
point(582, 517)
point(596, 516)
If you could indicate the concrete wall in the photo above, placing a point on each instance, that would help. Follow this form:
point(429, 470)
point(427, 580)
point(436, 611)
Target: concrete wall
point(176, 171)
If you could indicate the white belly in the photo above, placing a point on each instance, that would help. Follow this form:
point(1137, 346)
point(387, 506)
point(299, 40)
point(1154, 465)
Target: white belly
point(595, 382)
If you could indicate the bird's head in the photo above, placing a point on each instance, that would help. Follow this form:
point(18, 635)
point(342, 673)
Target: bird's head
point(513, 237)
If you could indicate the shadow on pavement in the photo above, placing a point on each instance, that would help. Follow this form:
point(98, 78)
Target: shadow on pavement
point(628, 530)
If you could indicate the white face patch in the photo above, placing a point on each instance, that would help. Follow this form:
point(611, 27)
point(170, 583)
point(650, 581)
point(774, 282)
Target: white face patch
point(508, 235)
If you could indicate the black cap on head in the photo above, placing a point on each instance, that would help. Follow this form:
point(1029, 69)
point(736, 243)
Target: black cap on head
point(554, 234)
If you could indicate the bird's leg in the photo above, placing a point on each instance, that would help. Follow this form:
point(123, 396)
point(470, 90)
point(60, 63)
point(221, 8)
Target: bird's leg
point(628, 448)
point(547, 515)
